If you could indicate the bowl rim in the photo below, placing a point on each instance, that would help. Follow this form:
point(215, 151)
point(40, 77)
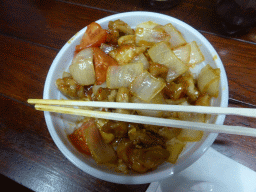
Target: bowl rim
point(137, 179)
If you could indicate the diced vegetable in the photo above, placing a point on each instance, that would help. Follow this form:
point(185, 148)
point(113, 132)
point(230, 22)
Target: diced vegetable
point(194, 117)
point(204, 100)
point(93, 37)
point(82, 68)
point(169, 133)
point(78, 139)
point(208, 80)
point(101, 63)
point(177, 38)
point(145, 86)
point(158, 99)
point(147, 25)
point(122, 76)
point(161, 53)
point(183, 52)
point(141, 58)
point(190, 135)
point(149, 33)
point(176, 102)
point(175, 147)
point(101, 151)
point(196, 55)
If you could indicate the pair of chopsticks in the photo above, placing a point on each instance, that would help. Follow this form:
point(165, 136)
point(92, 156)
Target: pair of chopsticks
point(49, 105)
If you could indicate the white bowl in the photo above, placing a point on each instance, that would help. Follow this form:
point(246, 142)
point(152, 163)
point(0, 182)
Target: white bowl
point(61, 125)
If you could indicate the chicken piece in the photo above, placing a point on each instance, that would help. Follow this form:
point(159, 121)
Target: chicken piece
point(145, 138)
point(70, 88)
point(143, 160)
point(118, 128)
point(117, 29)
point(125, 53)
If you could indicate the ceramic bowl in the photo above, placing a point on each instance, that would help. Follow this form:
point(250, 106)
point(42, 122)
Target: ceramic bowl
point(60, 125)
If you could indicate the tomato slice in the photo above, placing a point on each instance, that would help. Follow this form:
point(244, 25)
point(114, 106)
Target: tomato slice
point(78, 139)
point(101, 63)
point(93, 37)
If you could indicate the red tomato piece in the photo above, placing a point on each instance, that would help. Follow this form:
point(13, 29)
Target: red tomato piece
point(101, 63)
point(78, 138)
point(93, 37)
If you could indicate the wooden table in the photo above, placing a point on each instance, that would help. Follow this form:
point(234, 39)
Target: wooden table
point(32, 33)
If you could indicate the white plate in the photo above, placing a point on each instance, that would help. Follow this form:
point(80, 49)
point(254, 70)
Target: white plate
point(60, 125)
point(212, 172)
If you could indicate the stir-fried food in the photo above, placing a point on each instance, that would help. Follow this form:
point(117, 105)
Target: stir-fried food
point(148, 64)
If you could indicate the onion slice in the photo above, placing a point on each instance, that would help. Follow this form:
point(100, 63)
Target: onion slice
point(183, 52)
point(208, 80)
point(161, 53)
point(196, 55)
point(146, 86)
point(176, 37)
point(149, 33)
point(158, 99)
point(141, 58)
point(101, 152)
point(122, 76)
point(82, 68)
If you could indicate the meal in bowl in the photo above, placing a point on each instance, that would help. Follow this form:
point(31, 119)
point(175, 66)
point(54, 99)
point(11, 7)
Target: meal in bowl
point(148, 64)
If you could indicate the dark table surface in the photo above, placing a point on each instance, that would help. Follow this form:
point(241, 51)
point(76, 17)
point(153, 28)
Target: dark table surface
point(32, 33)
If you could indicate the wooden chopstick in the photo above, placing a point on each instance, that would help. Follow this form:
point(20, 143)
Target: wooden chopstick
point(248, 112)
point(238, 130)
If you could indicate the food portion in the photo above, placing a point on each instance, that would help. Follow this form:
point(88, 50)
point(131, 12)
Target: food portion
point(148, 64)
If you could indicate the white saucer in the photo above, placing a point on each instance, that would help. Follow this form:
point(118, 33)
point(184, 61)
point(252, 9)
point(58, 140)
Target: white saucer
point(213, 172)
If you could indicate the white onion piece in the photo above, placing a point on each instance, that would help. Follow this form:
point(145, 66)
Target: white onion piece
point(213, 88)
point(147, 24)
point(194, 117)
point(158, 99)
point(149, 33)
point(122, 76)
point(176, 37)
point(183, 52)
point(190, 135)
point(208, 80)
point(141, 58)
point(82, 68)
point(161, 53)
point(146, 86)
point(101, 151)
point(196, 55)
